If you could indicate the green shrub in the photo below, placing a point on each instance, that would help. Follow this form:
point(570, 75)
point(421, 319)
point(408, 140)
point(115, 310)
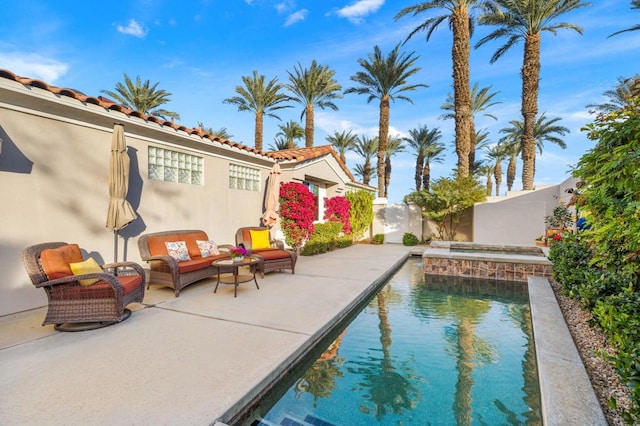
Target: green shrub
point(360, 212)
point(378, 239)
point(408, 239)
point(326, 237)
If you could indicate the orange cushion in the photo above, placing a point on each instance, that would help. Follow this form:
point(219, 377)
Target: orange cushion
point(55, 262)
point(273, 254)
point(158, 248)
point(194, 265)
point(101, 289)
point(246, 235)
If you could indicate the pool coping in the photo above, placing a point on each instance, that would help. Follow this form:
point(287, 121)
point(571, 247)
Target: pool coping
point(566, 392)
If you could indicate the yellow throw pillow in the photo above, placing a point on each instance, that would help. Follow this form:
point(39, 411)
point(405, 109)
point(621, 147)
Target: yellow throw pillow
point(89, 266)
point(260, 239)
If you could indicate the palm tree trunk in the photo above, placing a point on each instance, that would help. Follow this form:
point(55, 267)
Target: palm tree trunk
point(530, 81)
point(511, 172)
point(461, 90)
point(308, 126)
point(387, 175)
point(419, 166)
point(489, 185)
point(383, 138)
point(259, 128)
point(426, 176)
point(366, 172)
point(472, 148)
point(497, 174)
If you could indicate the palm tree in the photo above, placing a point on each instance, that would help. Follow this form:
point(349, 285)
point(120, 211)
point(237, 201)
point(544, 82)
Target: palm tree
point(343, 141)
point(260, 99)
point(635, 4)
point(221, 133)
point(497, 154)
point(280, 143)
point(142, 97)
point(511, 150)
point(385, 79)
point(290, 132)
point(525, 20)
point(544, 130)
point(366, 147)
point(394, 146)
point(481, 100)
point(311, 87)
point(486, 170)
point(620, 96)
point(461, 24)
point(425, 143)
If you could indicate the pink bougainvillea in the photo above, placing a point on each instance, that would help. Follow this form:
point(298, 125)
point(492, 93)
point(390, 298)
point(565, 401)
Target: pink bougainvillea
point(336, 209)
point(297, 213)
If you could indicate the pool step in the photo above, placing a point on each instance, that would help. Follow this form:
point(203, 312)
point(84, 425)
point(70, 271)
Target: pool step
point(309, 420)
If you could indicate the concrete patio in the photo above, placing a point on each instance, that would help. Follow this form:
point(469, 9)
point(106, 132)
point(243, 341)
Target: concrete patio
point(199, 358)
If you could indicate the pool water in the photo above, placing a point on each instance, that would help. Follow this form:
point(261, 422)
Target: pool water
point(424, 351)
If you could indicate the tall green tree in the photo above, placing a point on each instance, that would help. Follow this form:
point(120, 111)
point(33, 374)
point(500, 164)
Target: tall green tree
point(221, 133)
point(343, 142)
point(385, 79)
point(366, 147)
point(280, 143)
point(497, 154)
point(526, 20)
point(544, 130)
point(458, 15)
point(485, 170)
point(142, 97)
point(620, 96)
point(260, 98)
point(394, 146)
point(511, 150)
point(481, 100)
point(428, 148)
point(290, 131)
point(313, 86)
point(635, 4)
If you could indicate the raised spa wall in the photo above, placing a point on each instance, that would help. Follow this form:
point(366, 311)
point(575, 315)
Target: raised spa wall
point(509, 263)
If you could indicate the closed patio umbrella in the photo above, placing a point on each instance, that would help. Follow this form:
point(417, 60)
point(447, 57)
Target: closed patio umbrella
point(272, 198)
point(120, 212)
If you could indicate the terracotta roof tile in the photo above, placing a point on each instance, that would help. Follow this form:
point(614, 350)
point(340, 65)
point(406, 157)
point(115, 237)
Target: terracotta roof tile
point(295, 154)
point(308, 153)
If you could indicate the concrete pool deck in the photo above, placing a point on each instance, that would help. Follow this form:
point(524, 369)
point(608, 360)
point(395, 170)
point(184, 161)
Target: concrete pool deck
point(199, 358)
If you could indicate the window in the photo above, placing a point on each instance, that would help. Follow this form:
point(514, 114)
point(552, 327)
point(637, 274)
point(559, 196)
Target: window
point(319, 192)
point(173, 166)
point(245, 178)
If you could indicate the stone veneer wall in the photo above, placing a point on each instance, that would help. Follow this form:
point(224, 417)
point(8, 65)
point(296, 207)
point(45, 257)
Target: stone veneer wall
point(476, 268)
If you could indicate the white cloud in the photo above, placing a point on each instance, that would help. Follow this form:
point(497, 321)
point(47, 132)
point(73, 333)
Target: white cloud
point(285, 6)
point(355, 12)
point(33, 65)
point(134, 29)
point(296, 17)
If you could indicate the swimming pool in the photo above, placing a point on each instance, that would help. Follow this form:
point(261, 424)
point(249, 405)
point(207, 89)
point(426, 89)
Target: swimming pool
point(431, 350)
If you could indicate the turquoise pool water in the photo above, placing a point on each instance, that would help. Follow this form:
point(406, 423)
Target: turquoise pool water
point(424, 351)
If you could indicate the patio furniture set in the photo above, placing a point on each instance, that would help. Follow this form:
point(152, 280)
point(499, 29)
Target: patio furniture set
point(84, 295)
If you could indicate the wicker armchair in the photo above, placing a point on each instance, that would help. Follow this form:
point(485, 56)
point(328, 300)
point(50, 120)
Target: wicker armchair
point(74, 307)
point(275, 258)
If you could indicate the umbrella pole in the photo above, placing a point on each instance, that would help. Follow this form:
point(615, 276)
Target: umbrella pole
point(115, 246)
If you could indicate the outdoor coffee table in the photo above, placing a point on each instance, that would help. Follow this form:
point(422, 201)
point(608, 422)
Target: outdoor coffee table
point(232, 267)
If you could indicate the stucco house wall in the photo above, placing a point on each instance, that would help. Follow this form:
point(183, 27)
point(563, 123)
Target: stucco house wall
point(54, 167)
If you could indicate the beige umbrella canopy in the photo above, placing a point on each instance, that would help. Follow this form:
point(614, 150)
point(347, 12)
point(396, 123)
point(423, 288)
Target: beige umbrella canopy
point(272, 198)
point(120, 212)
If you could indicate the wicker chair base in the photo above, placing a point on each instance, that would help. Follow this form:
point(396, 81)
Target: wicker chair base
point(85, 326)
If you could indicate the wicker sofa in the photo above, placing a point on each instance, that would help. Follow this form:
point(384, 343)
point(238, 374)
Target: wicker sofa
point(274, 257)
point(166, 270)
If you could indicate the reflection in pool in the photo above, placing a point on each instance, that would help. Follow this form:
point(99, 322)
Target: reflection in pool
point(444, 351)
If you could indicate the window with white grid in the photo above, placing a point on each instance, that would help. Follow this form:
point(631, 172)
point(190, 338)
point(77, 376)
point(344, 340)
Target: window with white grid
point(173, 166)
point(245, 178)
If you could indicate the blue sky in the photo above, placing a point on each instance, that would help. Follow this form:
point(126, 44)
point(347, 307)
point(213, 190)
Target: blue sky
point(199, 50)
